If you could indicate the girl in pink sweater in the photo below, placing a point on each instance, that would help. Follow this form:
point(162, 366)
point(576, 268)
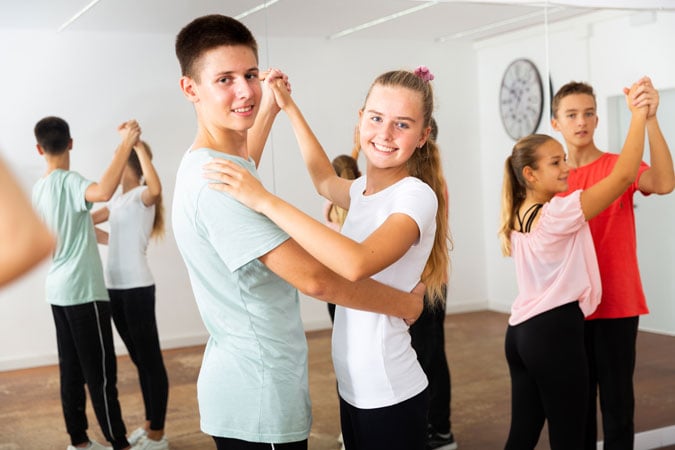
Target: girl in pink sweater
point(558, 279)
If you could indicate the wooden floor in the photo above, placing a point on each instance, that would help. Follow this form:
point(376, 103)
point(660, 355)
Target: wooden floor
point(30, 411)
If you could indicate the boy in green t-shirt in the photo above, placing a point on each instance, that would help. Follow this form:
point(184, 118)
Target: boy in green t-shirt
point(75, 286)
point(245, 271)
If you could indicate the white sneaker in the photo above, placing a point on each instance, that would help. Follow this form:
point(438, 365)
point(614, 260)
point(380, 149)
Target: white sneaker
point(93, 445)
point(148, 444)
point(135, 437)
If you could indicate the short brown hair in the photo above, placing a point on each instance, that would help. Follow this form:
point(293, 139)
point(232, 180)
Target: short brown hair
point(573, 87)
point(208, 32)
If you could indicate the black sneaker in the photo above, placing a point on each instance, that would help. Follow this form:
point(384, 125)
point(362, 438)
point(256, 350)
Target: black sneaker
point(439, 441)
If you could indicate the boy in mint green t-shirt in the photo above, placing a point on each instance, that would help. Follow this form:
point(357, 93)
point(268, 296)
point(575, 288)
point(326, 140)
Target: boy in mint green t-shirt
point(75, 286)
point(244, 270)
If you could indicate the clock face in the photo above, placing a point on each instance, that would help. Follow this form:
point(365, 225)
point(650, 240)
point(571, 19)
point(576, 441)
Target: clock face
point(521, 98)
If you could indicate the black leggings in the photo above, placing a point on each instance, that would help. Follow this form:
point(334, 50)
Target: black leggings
point(133, 311)
point(397, 427)
point(236, 444)
point(549, 379)
point(87, 356)
point(610, 347)
point(428, 339)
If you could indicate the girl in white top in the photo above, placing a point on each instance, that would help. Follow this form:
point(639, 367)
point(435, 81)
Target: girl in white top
point(396, 232)
point(558, 279)
point(134, 217)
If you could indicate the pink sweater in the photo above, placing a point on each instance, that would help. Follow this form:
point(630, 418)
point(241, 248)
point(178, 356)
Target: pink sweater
point(556, 262)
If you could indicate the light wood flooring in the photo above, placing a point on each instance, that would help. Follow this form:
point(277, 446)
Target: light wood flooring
point(30, 411)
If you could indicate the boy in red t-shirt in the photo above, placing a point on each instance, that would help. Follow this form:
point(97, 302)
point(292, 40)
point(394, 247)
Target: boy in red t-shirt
point(611, 331)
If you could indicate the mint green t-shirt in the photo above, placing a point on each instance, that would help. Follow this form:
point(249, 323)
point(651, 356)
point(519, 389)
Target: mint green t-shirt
point(253, 380)
point(76, 273)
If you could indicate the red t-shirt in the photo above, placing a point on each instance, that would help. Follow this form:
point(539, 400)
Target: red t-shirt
point(613, 232)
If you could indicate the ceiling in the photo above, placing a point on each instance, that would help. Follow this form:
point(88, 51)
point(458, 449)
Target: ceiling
point(286, 18)
point(442, 20)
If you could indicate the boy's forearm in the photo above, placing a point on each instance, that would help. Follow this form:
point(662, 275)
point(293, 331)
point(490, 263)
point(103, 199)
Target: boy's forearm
point(111, 177)
point(660, 158)
point(258, 134)
point(373, 296)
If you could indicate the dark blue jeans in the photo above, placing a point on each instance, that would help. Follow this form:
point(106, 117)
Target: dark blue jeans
point(133, 311)
point(87, 356)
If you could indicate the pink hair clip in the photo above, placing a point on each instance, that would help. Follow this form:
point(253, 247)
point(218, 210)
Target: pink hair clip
point(424, 73)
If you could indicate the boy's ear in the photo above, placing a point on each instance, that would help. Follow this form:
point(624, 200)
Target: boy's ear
point(187, 85)
point(70, 144)
point(554, 124)
point(39, 149)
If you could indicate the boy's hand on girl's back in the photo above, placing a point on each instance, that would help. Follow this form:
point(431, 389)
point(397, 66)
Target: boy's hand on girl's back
point(418, 291)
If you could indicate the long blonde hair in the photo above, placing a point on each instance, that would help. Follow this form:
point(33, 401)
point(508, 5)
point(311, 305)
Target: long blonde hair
point(425, 164)
point(514, 186)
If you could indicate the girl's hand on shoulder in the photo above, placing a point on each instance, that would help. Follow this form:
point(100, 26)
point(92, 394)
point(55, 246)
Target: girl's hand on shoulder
point(235, 180)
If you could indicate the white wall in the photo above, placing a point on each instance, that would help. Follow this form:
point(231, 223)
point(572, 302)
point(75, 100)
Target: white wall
point(97, 80)
point(609, 50)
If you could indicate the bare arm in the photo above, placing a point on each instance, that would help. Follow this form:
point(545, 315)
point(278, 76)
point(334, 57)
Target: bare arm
point(599, 196)
point(660, 177)
point(299, 269)
point(151, 195)
point(258, 134)
point(379, 250)
point(327, 183)
point(104, 189)
point(100, 215)
point(102, 236)
point(24, 239)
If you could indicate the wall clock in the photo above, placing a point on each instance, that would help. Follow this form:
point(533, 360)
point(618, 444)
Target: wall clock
point(521, 98)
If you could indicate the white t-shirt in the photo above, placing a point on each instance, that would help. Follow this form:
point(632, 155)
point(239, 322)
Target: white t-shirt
point(253, 380)
point(374, 361)
point(130, 228)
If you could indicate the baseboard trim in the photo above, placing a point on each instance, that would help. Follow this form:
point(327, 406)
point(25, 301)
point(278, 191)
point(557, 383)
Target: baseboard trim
point(652, 439)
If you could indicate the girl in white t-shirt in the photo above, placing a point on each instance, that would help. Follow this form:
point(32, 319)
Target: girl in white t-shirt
point(558, 278)
point(135, 216)
point(396, 232)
